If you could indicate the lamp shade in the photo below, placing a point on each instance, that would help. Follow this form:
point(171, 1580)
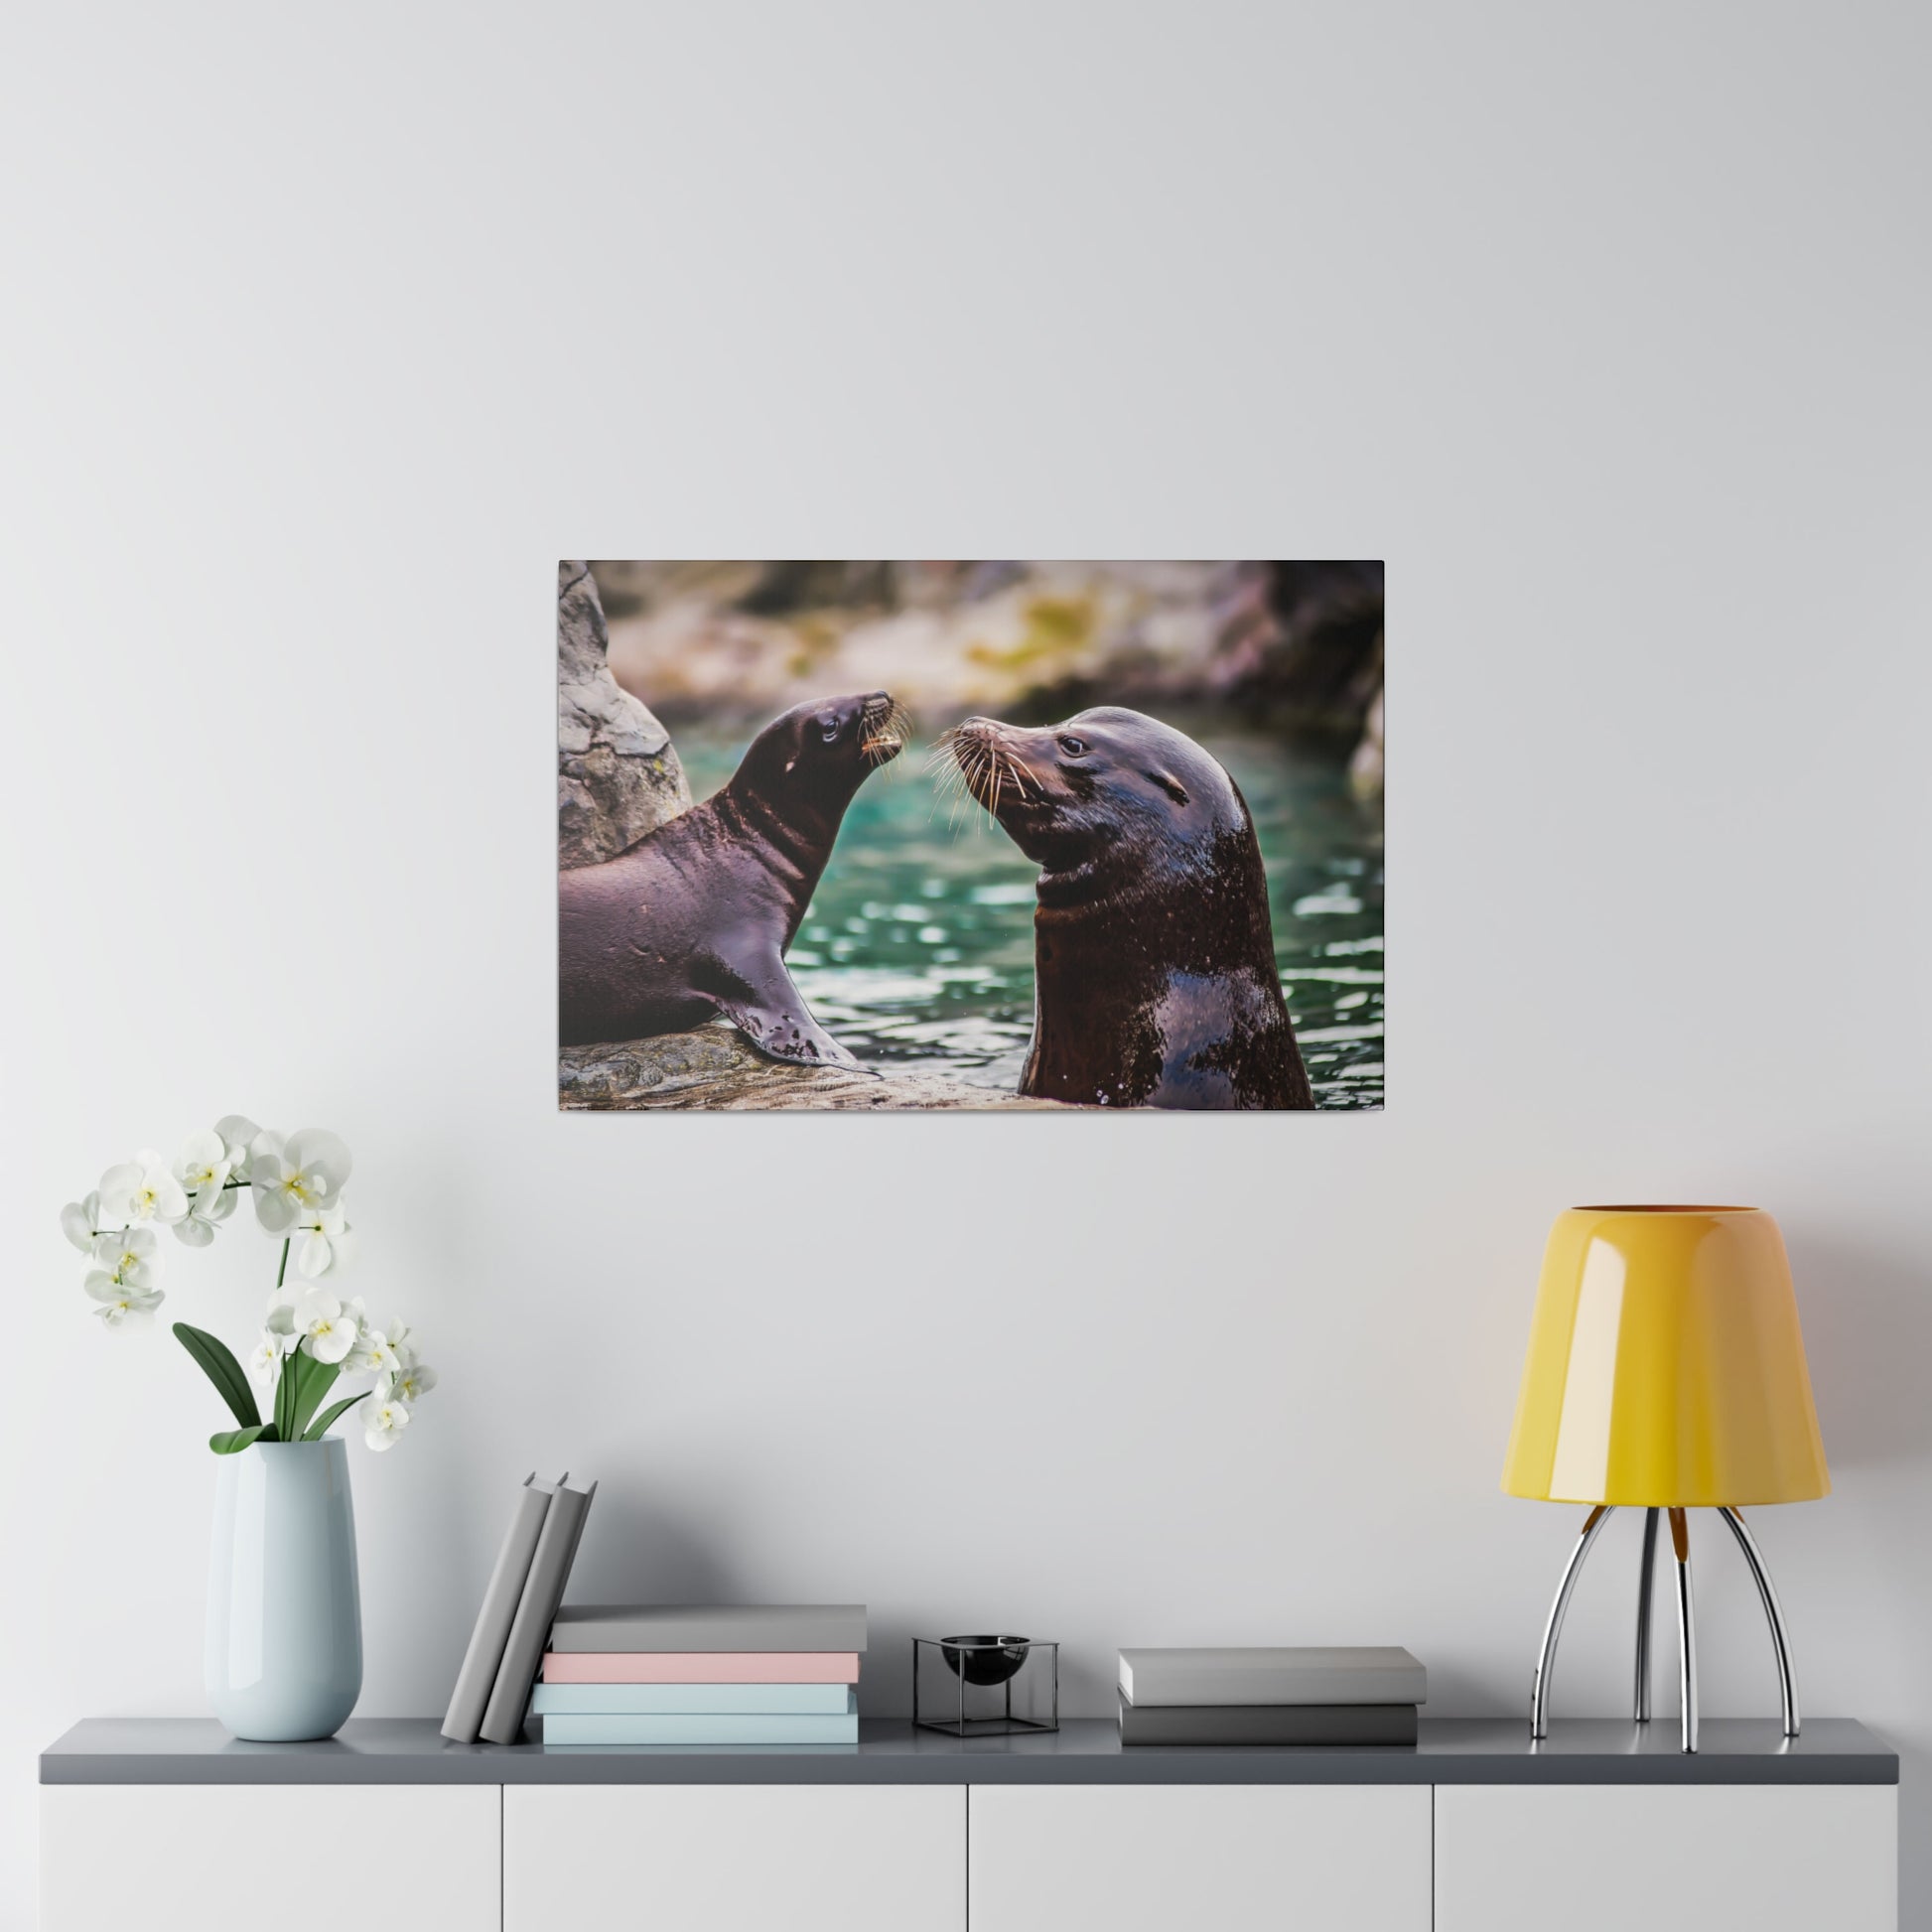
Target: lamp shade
point(1666, 1368)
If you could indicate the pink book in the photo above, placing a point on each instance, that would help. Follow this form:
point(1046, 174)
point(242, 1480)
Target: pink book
point(700, 1667)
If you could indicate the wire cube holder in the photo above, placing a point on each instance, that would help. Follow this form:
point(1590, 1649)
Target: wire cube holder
point(986, 1685)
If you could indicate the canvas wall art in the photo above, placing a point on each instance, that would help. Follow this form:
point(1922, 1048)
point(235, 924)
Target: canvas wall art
point(993, 835)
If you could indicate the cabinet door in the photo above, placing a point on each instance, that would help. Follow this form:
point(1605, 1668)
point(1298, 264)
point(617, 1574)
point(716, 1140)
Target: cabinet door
point(1667, 1857)
point(734, 1858)
point(1199, 1858)
point(187, 1857)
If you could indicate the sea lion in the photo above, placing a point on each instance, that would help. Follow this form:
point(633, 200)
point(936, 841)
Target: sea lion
point(693, 921)
point(1154, 958)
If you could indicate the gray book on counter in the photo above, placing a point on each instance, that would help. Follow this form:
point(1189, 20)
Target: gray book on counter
point(543, 1592)
point(685, 1627)
point(1267, 1724)
point(1296, 1674)
point(477, 1675)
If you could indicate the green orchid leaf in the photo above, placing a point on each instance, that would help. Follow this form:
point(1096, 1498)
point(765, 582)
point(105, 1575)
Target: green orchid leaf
point(230, 1441)
point(313, 1380)
point(221, 1368)
point(288, 1390)
point(332, 1414)
point(285, 1391)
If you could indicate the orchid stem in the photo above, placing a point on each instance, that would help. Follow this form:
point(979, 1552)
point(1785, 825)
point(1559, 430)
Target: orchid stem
point(282, 1271)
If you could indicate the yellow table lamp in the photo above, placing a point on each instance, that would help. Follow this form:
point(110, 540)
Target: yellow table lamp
point(1666, 1371)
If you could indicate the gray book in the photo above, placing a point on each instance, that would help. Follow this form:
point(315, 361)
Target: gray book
point(1267, 1724)
point(477, 1677)
point(543, 1591)
point(699, 1627)
point(1301, 1674)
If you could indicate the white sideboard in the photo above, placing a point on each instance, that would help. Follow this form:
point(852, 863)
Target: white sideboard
point(169, 1825)
point(182, 1857)
point(1605, 1857)
point(734, 1858)
point(1163, 1858)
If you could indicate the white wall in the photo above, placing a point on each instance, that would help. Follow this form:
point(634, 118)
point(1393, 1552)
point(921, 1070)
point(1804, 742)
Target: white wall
point(328, 331)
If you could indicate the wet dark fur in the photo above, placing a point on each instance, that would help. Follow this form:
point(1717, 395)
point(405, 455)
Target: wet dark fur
point(693, 921)
point(1154, 954)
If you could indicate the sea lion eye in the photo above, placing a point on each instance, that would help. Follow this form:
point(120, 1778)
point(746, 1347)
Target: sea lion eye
point(1073, 747)
point(829, 729)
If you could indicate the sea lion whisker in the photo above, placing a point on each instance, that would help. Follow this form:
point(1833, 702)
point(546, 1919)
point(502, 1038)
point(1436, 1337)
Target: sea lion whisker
point(944, 772)
point(883, 731)
point(967, 763)
point(951, 778)
point(946, 792)
point(986, 773)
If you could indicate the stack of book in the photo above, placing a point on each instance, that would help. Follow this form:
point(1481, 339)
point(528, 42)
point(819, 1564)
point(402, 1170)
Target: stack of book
point(656, 1674)
point(1302, 1695)
point(493, 1689)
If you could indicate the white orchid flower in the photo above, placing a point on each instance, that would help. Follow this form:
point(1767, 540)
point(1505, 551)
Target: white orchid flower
point(323, 1242)
point(371, 1353)
point(237, 1132)
point(383, 1421)
point(409, 1384)
point(141, 1190)
point(400, 1344)
point(129, 1255)
point(121, 1304)
point(329, 1339)
point(302, 1175)
point(81, 1221)
point(209, 1211)
point(265, 1359)
point(327, 1330)
point(202, 1164)
point(377, 1357)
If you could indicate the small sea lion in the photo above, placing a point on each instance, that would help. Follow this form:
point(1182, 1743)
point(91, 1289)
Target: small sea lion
point(694, 919)
point(1154, 957)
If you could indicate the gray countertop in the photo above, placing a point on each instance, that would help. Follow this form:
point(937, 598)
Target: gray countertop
point(410, 1750)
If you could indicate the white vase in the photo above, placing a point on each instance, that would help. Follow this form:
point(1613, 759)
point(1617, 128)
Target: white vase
point(284, 1657)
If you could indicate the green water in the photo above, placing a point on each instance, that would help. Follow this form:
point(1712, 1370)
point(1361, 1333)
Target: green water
point(920, 945)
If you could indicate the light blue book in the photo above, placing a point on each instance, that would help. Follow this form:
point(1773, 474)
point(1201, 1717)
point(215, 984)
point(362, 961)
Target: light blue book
point(695, 1699)
point(702, 1728)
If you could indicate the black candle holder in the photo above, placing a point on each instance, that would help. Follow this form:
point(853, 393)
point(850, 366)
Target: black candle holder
point(985, 1686)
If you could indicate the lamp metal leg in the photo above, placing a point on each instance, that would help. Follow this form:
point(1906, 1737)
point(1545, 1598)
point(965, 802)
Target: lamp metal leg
point(1773, 1615)
point(1545, 1657)
point(1646, 1573)
point(1687, 1641)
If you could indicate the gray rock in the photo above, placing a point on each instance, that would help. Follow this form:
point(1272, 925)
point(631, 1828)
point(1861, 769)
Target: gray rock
point(618, 773)
point(713, 1067)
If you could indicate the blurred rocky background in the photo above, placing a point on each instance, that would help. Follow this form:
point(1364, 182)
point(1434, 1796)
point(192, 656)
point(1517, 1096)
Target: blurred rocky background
point(1291, 647)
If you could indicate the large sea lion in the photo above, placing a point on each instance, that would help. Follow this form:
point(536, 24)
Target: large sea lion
point(1154, 958)
point(693, 921)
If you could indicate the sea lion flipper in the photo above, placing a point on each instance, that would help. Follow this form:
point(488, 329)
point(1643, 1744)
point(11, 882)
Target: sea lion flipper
point(774, 1017)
